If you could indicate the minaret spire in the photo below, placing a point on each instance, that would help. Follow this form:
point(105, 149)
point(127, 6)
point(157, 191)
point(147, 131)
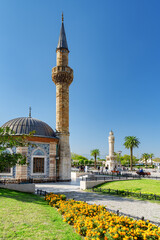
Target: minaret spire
point(30, 111)
point(62, 17)
point(62, 43)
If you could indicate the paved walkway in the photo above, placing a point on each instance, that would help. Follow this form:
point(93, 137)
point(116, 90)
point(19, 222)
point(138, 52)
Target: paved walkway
point(137, 208)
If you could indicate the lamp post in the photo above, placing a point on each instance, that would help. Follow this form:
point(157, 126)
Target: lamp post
point(119, 155)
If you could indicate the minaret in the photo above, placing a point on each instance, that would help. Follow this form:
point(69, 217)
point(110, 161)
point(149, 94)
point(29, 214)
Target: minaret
point(62, 76)
point(111, 158)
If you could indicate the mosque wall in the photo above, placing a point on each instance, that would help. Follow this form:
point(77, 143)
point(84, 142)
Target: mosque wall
point(21, 170)
point(46, 149)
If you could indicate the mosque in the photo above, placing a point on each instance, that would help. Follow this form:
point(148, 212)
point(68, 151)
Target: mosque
point(49, 159)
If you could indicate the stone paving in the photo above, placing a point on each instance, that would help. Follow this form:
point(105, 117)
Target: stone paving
point(137, 208)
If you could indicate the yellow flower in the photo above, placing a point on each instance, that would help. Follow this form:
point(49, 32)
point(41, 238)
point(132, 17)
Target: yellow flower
point(116, 236)
point(93, 220)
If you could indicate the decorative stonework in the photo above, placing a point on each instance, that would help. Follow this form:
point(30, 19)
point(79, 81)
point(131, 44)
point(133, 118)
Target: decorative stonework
point(45, 148)
point(24, 172)
point(21, 170)
point(52, 162)
point(62, 75)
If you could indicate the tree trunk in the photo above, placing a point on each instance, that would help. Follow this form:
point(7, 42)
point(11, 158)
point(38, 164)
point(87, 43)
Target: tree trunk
point(95, 162)
point(131, 157)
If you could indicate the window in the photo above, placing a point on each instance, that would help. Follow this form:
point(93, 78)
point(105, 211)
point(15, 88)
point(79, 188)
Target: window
point(38, 165)
point(6, 170)
point(38, 162)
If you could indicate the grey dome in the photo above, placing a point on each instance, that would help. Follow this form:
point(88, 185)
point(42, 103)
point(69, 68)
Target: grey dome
point(25, 125)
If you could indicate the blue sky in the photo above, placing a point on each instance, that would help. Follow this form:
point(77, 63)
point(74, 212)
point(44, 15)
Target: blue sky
point(115, 54)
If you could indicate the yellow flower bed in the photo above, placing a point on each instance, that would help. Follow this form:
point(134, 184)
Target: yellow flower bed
point(96, 223)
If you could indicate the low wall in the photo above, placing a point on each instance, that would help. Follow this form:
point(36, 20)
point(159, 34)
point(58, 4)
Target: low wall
point(89, 184)
point(29, 187)
point(77, 174)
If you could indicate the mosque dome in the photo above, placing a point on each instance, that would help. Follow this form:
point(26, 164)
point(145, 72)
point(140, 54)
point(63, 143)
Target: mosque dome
point(25, 125)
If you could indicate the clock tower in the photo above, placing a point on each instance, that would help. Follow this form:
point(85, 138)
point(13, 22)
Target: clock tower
point(62, 76)
point(111, 161)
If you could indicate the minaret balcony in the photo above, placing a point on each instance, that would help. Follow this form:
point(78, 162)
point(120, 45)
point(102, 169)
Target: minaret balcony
point(62, 74)
point(58, 69)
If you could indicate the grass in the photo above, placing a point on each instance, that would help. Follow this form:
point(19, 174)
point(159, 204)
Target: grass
point(144, 186)
point(27, 216)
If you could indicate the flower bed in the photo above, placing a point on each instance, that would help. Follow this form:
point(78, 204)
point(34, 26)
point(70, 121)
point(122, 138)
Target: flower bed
point(96, 223)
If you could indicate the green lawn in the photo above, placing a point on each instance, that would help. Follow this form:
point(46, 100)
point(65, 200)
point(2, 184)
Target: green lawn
point(143, 186)
point(27, 216)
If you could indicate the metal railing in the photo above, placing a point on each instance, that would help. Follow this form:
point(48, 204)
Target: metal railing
point(117, 212)
point(127, 193)
point(118, 177)
point(110, 177)
point(41, 192)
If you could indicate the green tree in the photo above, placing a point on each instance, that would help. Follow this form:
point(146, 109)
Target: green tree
point(90, 162)
point(145, 157)
point(130, 143)
point(95, 153)
point(9, 140)
point(81, 162)
point(76, 156)
point(151, 155)
point(125, 159)
point(86, 162)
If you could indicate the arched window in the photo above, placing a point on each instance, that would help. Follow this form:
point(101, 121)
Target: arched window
point(39, 152)
point(38, 162)
point(7, 170)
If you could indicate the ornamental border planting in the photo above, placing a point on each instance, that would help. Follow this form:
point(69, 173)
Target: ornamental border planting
point(44, 193)
point(94, 222)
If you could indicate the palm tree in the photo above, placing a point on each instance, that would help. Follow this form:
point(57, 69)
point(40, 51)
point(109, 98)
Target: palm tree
point(95, 153)
point(145, 157)
point(151, 155)
point(130, 143)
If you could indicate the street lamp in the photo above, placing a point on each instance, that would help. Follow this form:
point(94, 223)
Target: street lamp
point(119, 155)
